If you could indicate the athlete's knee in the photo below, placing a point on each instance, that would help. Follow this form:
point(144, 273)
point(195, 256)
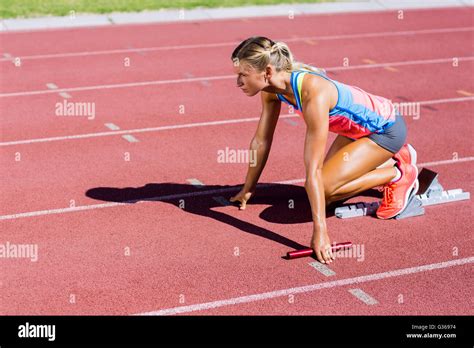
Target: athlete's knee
point(330, 200)
point(333, 180)
point(330, 189)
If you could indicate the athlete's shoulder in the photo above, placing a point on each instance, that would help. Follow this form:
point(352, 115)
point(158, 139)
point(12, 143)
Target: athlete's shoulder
point(314, 85)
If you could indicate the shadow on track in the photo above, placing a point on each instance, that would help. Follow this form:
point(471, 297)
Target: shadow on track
point(287, 204)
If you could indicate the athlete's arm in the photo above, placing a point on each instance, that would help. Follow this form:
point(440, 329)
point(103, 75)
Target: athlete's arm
point(316, 115)
point(260, 146)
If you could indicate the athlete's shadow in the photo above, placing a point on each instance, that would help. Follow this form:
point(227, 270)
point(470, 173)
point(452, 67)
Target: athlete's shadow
point(287, 204)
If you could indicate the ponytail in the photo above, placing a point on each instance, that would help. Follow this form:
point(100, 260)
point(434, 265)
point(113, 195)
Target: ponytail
point(259, 51)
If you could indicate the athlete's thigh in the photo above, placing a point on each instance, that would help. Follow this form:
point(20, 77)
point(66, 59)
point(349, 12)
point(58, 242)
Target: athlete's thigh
point(352, 161)
point(336, 145)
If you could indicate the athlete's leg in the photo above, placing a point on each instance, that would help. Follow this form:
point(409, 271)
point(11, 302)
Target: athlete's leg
point(353, 169)
point(388, 164)
point(336, 145)
point(342, 141)
point(376, 177)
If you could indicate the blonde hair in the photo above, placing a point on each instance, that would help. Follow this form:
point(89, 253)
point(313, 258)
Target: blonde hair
point(259, 51)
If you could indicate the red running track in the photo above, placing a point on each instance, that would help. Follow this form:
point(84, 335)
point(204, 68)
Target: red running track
point(179, 251)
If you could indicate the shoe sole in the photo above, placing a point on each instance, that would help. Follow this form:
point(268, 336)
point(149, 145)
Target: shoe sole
point(413, 156)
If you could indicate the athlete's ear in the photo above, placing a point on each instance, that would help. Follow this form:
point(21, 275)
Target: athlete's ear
point(269, 71)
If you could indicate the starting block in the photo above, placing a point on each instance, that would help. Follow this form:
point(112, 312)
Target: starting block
point(430, 192)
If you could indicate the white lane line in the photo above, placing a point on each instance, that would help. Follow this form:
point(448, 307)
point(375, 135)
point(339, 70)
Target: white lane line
point(364, 297)
point(234, 43)
point(139, 130)
point(130, 138)
point(322, 268)
point(225, 77)
point(195, 182)
point(310, 288)
point(54, 88)
point(222, 201)
point(448, 100)
point(291, 122)
point(65, 95)
point(152, 199)
point(120, 85)
point(192, 125)
point(183, 195)
point(111, 126)
point(204, 82)
point(134, 49)
point(451, 161)
point(424, 164)
point(407, 62)
point(9, 58)
point(61, 210)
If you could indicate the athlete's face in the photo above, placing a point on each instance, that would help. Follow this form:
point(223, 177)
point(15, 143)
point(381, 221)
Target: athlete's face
point(249, 80)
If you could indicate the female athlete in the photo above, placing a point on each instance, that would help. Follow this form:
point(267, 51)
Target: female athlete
point(369, 150)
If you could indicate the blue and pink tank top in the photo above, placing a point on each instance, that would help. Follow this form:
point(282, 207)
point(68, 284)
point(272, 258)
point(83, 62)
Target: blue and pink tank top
point(356, 114)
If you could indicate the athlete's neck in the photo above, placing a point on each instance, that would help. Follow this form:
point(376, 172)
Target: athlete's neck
point(280, 83)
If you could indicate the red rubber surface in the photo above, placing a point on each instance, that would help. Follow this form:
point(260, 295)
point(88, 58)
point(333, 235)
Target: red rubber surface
point(180, 257)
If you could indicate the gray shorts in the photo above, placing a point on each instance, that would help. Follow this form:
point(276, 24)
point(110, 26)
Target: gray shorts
point(394, 136)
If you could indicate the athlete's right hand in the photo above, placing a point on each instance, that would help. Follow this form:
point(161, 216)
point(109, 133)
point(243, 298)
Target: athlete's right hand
point(242, 197)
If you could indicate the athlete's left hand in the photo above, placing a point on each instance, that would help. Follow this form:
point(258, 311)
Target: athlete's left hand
point(242, 197)
point(321, 245)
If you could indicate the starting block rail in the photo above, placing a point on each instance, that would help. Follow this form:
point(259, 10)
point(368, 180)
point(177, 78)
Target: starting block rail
point(430, 192)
